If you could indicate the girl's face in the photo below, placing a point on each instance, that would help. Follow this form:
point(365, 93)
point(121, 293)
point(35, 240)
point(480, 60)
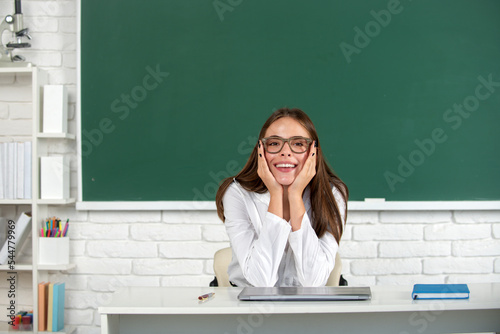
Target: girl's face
point(286, 165)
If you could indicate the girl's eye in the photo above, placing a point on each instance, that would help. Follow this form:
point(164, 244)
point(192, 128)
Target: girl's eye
point(299, 143)
point(273, 143)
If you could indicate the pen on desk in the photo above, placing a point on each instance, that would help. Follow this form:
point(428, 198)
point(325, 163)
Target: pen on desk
point(206, 296)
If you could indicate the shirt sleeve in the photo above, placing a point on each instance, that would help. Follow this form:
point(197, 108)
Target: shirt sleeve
point(258, 254)
point(315, 257)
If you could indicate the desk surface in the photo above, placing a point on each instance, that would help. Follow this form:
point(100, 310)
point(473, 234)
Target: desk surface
point(184, 300)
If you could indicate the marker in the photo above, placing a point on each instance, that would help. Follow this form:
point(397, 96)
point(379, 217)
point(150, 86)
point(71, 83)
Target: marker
point(66, 228)
point(206, 296)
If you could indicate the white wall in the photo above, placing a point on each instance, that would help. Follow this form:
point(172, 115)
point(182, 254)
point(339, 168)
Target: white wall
point(168, 248)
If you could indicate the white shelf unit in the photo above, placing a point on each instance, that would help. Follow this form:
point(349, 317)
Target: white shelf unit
point(39, 207)
point(57, 135)
point(4, 328)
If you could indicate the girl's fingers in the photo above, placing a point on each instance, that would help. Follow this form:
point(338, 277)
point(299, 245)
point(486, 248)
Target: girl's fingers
point(264, 172)
point(312, 159)
point(262, 161)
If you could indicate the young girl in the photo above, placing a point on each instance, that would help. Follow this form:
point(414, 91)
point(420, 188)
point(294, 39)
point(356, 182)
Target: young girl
point(285, 210)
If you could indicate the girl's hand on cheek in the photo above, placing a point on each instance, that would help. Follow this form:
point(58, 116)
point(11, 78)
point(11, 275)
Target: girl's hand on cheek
point(265, 174)
point(306, 174)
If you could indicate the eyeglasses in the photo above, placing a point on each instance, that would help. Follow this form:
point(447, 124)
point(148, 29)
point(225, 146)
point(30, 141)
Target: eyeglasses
point(297, 144)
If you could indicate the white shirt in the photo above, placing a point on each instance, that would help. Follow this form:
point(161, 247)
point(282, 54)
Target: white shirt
point(265, 250)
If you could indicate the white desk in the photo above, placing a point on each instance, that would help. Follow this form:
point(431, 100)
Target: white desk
point(391, 310)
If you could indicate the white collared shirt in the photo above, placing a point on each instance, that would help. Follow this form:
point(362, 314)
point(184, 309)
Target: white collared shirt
point(265, 250)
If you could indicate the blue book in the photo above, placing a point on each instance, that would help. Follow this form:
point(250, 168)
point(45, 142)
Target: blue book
point(58, 307)
point(440, 291)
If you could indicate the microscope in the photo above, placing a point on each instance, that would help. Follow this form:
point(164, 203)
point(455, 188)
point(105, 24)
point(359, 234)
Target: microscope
point(14, 24)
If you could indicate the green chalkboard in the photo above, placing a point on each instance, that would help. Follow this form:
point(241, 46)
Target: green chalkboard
point(405, 94)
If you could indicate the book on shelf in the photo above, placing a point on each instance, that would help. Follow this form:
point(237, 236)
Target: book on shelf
point(58, 307)
point(20, 170)
point(55, 109)
point(3, 172)
point(51, 298)
point(43, 291)
point(11, 171)
point(21, 231)
point(440, 291)
point(27, 170)
point(50, 306)
point(15, 170)
point(54, 177)
point(3, 231)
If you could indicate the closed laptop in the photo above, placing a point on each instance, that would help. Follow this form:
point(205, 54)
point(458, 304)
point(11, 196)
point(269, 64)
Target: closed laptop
point(305, 293)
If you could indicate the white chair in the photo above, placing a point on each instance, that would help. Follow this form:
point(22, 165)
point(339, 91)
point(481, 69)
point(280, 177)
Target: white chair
point(223, 256)
point(334, 278)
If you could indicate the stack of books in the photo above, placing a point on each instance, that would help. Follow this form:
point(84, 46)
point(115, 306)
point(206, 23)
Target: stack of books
point(15, 170)
point(51, 306)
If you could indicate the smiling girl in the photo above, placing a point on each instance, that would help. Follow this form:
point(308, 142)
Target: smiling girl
point(285, 210)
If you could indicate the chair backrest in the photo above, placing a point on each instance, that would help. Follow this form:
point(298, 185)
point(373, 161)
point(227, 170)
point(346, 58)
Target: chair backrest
point(223, 256)
point(334, 278)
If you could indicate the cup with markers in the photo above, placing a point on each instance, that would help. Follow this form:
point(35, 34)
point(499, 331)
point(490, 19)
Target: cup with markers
point(53, 244)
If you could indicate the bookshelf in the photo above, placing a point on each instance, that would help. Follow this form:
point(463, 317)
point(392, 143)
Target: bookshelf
point(4, 328)
point(33, 79)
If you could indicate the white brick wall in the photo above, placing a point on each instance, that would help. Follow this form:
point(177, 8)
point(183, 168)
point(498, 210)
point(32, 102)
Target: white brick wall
point(174, 248)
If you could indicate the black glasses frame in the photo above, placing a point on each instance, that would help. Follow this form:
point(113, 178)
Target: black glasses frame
point(283, 141)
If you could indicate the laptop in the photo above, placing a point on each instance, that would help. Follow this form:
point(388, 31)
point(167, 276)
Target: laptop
point(305, 293)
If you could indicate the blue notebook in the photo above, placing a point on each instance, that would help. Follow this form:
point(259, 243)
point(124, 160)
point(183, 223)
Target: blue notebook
point(440, 291)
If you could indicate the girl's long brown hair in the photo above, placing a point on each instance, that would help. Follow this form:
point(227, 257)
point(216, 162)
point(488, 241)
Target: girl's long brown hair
point(325, 211)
